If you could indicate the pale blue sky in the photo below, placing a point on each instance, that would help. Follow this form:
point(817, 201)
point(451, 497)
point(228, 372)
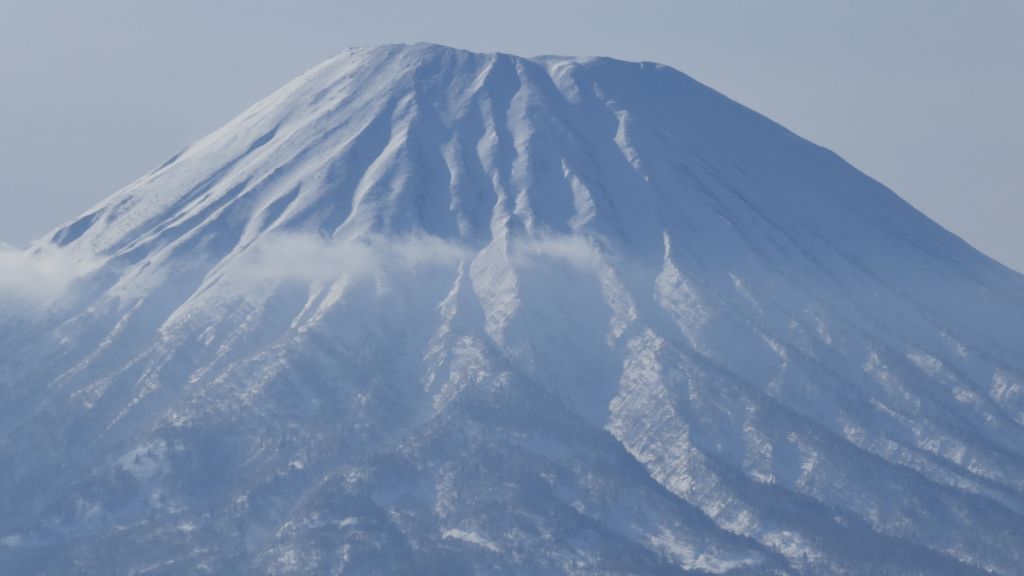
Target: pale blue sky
point(924, 95)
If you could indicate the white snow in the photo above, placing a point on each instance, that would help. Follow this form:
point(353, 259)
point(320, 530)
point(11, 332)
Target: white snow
point(582, 308)
point(471, 537)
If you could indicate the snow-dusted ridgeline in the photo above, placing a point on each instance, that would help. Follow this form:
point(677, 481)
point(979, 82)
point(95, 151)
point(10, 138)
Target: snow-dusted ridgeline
point(430, 311)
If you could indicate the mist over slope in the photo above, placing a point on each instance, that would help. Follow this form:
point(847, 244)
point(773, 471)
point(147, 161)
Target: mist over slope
point(425, 311)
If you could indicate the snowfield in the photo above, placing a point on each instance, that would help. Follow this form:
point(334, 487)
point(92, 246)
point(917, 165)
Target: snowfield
point(426, 311)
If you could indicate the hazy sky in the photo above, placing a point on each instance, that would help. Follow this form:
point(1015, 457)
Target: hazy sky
point(924, 95)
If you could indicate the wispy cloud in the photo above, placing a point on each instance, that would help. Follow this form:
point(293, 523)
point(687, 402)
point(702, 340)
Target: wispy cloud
point(44, 273)
point(311, 258)
point(41, 273)
point(574, 250)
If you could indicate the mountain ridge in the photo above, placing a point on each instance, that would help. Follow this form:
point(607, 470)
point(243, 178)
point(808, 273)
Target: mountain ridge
point(425, 310)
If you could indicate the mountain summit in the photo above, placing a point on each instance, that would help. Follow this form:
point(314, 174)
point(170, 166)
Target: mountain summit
point(426, 311)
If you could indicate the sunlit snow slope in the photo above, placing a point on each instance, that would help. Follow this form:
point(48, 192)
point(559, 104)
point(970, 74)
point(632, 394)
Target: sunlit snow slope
point(424, 311)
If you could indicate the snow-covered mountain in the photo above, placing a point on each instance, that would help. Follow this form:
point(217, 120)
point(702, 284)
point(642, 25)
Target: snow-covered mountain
point(425, 311)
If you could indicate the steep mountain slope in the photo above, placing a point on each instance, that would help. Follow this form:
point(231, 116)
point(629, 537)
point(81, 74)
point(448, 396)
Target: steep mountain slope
point(424, 311)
